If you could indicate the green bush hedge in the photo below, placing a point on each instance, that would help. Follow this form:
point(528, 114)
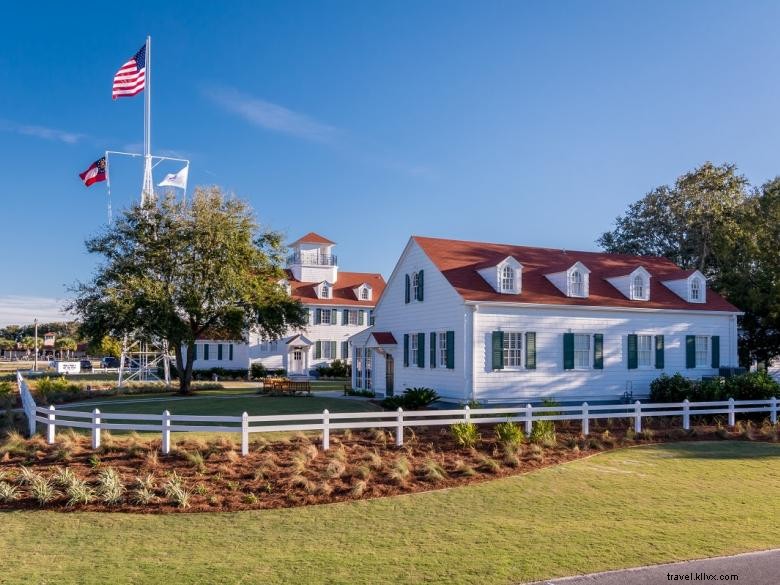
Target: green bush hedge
point(750, 386)
point(336, 369)
point(258, 371)
point(411, 399)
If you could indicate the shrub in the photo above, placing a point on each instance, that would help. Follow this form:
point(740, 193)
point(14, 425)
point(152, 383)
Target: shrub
point(78, 492)
point(489, 464)
point(671, 388)
point(433, 471)
point(399, 472)
point(110, 486)
point(465, 434)
point(751, 386)
point(364, 393)
point(543, 432)
point(411, 399)
point(336, 369)
point(8, 492)
point(509, 434)
point(42, 490)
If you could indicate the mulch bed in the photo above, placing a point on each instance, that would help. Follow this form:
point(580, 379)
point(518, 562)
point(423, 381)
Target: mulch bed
point(296, 472)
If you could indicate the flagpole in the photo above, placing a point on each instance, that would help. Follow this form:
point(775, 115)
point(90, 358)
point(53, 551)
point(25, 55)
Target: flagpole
point(147, 191)
point(108, 186)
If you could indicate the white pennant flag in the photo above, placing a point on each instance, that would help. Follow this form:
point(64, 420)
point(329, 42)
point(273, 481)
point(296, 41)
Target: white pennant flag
point(176, 179)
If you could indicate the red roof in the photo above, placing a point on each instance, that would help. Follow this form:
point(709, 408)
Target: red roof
point(459, 260)
point(384, 338)
point(343, 292)
point(312, 238)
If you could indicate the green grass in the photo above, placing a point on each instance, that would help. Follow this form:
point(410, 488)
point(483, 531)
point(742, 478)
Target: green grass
point(619, 509)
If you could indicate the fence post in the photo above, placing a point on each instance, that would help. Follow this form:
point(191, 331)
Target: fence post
point(51, 429)
point(529, 413)
point(96, 428)
point(325, 430)
point(166, 432)
point(399, 431)
point(245, 434)
point(686, 415)
point(637, 417)
point(467, 414)
point(773, 409)
point(732, 422)
point(585, 419)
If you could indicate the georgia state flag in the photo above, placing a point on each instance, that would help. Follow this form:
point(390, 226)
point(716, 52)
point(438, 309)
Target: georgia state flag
point(95, 173)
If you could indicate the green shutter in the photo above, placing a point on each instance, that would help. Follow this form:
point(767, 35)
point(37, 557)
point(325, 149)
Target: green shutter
point(568, 351)
point(715, 351)
point(420, 286)
point(361, 317)
point(334, 317)
point(345, 349)
point(433, 350)
point(205, 351)
point(598, 351)
point(690, 351)
point(317, 316)
point(219, 351)
point(317, 350)
point(195, 351)
point(659, 352)
point(371, 318)
point(421, 350)
point(633, 354)
point(231, 352)
point(450, 349)
point(498, 350)
point(530, 350)
point(345, 317)
point(406, 350)
point(407, 297)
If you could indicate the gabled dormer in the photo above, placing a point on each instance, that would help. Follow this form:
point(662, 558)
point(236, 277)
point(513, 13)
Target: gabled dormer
point(312, 259)
point(634, 285)
point(364, 292)
point(506, 277)
point(324, 290)
point(690, 286)
point(574, 282)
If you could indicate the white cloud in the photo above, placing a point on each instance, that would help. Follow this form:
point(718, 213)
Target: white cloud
point(52, 134)
point(271, 116)
point(21, 310)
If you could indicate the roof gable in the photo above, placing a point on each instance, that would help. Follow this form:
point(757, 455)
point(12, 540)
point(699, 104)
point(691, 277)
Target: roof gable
point(312, 238)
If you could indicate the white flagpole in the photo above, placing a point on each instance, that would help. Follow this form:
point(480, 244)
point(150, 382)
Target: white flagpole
point(147, 191)
point(108, 186)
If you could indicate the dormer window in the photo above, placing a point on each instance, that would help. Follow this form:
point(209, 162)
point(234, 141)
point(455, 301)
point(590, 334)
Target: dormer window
point(507, 279)
point(505, 276)
point(640, 288)
point(695, 295)
point(576, 284)
point(365, 294)
point(324, 290)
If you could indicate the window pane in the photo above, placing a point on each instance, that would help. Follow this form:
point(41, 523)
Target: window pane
point(645, 350)
point(512, 349)
point(702, 347)
point(582, 351)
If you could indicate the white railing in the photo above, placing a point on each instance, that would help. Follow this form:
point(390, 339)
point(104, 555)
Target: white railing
point(28, 403)
point(167, 423)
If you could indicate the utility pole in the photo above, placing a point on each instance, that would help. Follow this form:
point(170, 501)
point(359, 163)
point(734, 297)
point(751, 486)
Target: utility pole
point(35, 367)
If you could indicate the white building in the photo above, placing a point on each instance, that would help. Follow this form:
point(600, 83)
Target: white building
point(502, 323)
point(339, 305)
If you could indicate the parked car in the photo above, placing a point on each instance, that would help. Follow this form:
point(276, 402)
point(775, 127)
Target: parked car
point(109, 362)
point(86, 365)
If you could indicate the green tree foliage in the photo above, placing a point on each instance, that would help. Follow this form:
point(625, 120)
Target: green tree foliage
point(107, 347)
point(177, 272)
point(712, 220)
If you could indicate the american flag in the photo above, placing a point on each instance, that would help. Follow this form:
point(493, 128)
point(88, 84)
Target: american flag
point(131, 77)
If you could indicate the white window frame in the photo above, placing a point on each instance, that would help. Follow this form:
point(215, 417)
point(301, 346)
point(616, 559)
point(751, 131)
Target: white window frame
point(577, 283)
point(358, 365)
point(415, 285)
point(507, 279)
point(705, 341)
point(368, 369)
point(325, 353)
point(644, 357)
point(325, 292)
point(413, 349)
point(641, 292)
point(695, 294)
point(324, 312)
point(579, 352)
point(365, 294)
point(513, 352)
point(352, 318)
point(441, 349)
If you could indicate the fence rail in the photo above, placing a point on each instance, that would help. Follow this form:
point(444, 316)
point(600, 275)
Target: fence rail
point(167, 423)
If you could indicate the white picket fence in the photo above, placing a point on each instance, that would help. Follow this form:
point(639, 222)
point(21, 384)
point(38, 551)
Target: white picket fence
point(167, 423)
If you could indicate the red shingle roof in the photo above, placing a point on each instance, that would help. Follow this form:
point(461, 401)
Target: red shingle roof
point(312, 238)
point(343, 289)
point(458, 261)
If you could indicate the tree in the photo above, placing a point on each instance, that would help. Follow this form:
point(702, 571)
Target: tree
point(177, 272)
point(65, 344)
point(712, 220)
point(107, 347)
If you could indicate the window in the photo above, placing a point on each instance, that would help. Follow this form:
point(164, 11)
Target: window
point(367, 369)
point(581, 351)
point(325, 319)
point(415, 286)
point(702, 351)
point(413, 349)
point(645, 351)
point(696, 290)
point(353, 318)
point(358, 365)
point(507, 280)
point(365, 294)
point(513, 345)
point(325, 292)
point(576, 284)
point(441, 341)
point(328, 350)
point(638, 288)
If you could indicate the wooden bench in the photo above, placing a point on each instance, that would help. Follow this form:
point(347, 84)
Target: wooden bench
point(286, 386)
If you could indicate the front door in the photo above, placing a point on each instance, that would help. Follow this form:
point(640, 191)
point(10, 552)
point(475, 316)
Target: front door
point(389, 375)
point(297, 361)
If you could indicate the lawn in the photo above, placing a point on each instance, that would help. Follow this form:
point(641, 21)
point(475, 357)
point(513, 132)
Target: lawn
point(618, 509)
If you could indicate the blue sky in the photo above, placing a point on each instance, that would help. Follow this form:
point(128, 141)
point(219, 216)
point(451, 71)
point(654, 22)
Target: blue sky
point(526, 122)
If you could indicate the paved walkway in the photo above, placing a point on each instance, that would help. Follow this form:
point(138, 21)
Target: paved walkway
point(761, 568)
